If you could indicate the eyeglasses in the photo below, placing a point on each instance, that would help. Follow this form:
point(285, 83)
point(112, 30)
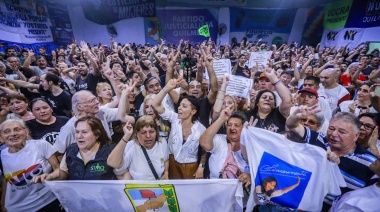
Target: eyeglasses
point(92, 101)
point(368, 126)
point(312, 122)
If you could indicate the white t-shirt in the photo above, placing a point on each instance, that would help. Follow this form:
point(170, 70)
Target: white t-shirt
point(364, 199)
point(134, 160)
point(67, 132)
point(334, 96)
point(19, 169)
point(187, 152)
point(344, 108)
point(271, 155)
point(219, 155)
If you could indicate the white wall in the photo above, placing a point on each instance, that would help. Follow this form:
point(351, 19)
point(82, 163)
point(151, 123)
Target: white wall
point(128, 30)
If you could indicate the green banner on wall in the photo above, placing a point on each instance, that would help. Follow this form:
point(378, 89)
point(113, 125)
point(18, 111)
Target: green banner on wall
point(336, 14)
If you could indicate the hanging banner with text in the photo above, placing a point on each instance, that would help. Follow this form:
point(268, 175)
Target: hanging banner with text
point(364, 14)
point(340, 37)
point(336, 14)
point(239, 86)
point(27, 21)
point(273, 26)
point(158, 196)
point(108, 12)
point(176, 24)
point(61, 25)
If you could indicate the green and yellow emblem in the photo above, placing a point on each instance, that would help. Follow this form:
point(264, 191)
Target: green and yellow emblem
point(145, 197)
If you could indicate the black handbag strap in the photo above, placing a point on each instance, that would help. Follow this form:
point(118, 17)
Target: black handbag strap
point(150, 163)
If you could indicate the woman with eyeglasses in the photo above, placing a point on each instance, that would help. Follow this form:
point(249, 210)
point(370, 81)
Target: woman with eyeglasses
point(45, 126)
point(362, 104)
point(369, 133)
point(316, 122)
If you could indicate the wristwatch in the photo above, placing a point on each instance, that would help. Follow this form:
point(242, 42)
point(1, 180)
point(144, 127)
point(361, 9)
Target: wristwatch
point(201, 165)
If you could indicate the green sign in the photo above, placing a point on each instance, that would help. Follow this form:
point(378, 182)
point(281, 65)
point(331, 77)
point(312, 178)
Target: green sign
point(336, 14)
point(204, 31)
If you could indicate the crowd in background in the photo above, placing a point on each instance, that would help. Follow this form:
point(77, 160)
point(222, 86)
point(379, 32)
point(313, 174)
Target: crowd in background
point(148, 112)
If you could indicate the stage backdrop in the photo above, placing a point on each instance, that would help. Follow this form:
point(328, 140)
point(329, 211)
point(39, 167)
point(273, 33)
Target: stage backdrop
point(175, 24)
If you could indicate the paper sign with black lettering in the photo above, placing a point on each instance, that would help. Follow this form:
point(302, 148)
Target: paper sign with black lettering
point(260, 58)
point(239, 86)
point(221, 67)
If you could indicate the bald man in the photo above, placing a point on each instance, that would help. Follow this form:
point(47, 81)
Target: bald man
point(334, 92)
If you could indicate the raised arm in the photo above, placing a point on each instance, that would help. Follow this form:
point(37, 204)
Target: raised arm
point(87, 51)
point(115, 159)
point(28, 60)
point(123, 108)
point(219, 99)
point(293, 122)
point(169, 75)
point(318, 72)
point(302, 72)
point(375, 100)
point(286, 190)
point(211, 74)
point(282, 91)
point(374, 76)
point(160, 96)
point(20, 83)
point(206, 138)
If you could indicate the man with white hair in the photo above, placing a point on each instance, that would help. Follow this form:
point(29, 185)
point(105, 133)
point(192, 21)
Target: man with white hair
point(84, 103)
point(341, 137)
point(335, 93)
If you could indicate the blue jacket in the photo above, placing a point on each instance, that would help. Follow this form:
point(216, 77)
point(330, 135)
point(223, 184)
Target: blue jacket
point(96, 169)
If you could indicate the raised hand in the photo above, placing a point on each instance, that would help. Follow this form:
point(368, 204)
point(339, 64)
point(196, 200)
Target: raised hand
point(128, 129)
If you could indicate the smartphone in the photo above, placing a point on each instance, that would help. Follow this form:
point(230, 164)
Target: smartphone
point(377, 91)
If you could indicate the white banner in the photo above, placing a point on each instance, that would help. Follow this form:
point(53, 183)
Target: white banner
point(340, 37)
point(134, 195)
point(239, 86)
point(221, 67)
point(261, 58)
point(26, 20)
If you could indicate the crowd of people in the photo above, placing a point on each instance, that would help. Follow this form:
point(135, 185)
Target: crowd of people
point(147, 112)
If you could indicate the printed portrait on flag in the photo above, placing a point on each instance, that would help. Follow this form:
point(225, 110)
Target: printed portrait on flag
point(278, 182)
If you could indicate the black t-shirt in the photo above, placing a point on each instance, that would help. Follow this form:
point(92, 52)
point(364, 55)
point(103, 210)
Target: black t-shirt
point(240, 71)
point(89, 83)
point(139, 99)
point(275, 121)
point(204, 113)
point(46, 132)
point(61, 103)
